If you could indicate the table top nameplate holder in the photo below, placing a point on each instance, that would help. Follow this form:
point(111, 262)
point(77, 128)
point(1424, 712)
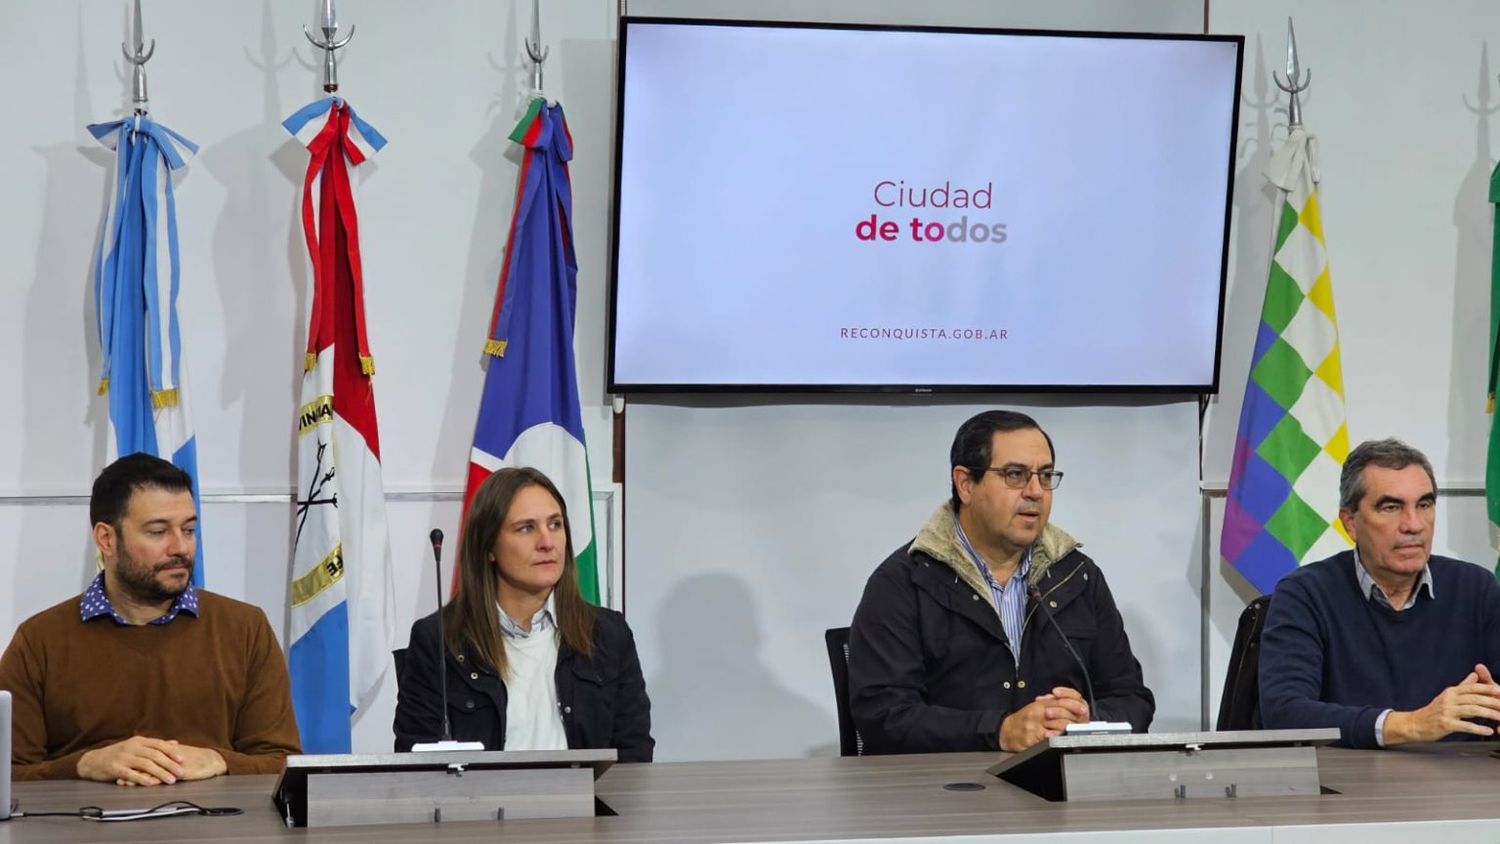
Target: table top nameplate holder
point(395, 788)
point(1144, 766)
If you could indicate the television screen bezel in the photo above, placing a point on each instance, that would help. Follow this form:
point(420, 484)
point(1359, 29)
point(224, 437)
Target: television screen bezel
point(615, 386)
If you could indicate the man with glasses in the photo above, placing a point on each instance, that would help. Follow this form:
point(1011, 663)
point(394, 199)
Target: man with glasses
point(949, 648)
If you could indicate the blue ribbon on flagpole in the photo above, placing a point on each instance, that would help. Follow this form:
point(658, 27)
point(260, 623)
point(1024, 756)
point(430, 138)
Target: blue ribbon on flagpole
point(141, 146)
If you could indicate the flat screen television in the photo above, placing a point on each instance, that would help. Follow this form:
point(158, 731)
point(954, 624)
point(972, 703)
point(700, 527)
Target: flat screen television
point(818, 207)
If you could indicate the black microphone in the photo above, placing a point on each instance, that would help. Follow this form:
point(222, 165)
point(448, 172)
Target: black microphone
point(1036, 596)
point(446, 742)
point(437, 569)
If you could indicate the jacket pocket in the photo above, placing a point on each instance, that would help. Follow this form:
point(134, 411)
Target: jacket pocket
point(1081, 634)
point(589, 678)
point(591, 709)
point(1075, 629)
point(476, 709)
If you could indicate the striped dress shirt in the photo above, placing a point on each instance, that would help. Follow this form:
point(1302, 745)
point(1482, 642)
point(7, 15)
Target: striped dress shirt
point(1009, 598)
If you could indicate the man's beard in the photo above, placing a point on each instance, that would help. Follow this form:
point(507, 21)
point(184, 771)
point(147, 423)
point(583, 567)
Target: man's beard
point(140, 579)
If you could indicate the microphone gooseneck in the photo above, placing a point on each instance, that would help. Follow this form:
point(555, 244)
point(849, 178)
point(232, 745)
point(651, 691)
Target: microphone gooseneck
point(437, 569)
point(1088, 685)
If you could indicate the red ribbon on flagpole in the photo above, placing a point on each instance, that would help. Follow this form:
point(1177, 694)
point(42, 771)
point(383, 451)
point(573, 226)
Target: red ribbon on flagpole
point(333, 234)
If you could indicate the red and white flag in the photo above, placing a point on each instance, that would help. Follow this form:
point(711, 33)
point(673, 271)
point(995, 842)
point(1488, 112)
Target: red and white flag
point(342, 601)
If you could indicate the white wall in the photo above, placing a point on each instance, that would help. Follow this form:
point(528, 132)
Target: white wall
point(751, 528)
point(1405, 166)
point(442, 81)
point(1402, 101)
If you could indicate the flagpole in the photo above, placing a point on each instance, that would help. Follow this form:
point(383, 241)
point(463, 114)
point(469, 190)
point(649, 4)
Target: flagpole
point(535, 49)
point(330, 44)
point(142, 54)
point(1295, 82)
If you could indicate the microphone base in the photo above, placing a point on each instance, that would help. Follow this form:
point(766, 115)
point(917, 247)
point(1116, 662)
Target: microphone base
point(1096, 728)
point(430, 746)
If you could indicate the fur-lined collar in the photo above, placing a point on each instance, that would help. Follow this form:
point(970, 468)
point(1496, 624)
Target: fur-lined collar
point(938, 539)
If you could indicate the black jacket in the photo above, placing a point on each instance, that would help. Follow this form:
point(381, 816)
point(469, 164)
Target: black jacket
point(603, 697)
point(929, 664)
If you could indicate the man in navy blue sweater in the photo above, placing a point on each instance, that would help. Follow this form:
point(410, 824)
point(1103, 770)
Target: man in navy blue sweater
point(1386, 642)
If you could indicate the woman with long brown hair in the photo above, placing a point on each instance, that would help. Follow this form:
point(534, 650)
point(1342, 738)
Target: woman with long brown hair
point(528, 663)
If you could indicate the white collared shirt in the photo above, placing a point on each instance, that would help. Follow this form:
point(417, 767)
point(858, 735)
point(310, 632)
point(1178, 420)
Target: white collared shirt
point(544, 620)
point(1009, 598)
point(1371, 590)
point(533, 717)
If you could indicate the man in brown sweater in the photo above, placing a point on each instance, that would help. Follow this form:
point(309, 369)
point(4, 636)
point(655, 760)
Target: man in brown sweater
point(144, 679)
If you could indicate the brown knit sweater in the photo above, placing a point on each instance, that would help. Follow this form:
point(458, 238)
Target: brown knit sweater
point(217, 680)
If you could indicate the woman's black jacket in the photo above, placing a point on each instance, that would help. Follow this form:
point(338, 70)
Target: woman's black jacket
point(602, 697)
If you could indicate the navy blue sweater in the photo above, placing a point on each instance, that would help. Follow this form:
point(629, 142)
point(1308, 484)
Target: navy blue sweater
point(1330, 657)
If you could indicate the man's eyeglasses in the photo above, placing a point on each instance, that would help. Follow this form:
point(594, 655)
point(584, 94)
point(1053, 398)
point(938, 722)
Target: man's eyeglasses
point(1017, 477)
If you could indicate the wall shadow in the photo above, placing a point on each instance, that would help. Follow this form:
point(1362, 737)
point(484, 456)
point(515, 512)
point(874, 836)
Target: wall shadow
point(701, 693)
point(1468, 423)
point(497, 161)
point(61, 329)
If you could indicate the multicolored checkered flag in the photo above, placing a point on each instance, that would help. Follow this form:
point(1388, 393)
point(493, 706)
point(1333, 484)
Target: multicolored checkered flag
point(1282, 509)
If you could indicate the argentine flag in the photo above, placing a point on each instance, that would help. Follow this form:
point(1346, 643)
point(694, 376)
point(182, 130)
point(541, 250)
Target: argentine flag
point(529, 414)
point(137, 273)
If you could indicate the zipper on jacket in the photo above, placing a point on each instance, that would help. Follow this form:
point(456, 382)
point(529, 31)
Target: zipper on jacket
point(1032, 611)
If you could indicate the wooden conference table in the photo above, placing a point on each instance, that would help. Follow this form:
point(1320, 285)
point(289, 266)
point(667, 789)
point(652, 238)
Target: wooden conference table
point(1436, 792)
